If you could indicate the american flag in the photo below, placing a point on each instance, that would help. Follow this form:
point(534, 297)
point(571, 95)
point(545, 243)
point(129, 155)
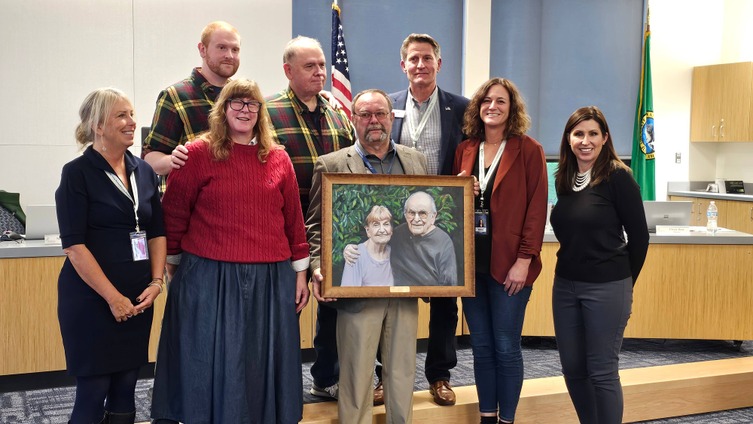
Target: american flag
point(340, 73)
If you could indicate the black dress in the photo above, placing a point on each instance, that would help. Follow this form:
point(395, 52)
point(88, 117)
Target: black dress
point(92, 211)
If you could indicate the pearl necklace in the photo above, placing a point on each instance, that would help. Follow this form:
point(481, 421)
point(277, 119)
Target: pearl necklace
point(581, 180)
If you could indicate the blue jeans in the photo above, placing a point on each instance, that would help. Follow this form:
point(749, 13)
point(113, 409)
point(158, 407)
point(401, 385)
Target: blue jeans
point(589, 323)
point(496, 323)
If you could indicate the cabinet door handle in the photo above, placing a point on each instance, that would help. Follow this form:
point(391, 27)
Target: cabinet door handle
point(721, 129)
point(713, 131)
point(699, 212)
point(750, 213)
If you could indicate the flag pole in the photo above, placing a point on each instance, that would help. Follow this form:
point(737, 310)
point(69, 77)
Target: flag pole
point(341, 89)
point(642, 160)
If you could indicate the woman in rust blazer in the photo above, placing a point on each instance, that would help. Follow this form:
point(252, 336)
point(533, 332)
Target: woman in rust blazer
point(510, 214)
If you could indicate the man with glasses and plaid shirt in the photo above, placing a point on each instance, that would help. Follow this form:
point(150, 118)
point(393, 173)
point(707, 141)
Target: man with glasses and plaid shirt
point(183, 109)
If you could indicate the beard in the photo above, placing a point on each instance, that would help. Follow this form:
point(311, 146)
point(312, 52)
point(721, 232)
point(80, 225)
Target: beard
point(218, 68)
point(382, 135)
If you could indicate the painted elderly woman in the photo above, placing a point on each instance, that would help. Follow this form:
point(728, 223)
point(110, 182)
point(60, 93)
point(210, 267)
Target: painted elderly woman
point(373, 268)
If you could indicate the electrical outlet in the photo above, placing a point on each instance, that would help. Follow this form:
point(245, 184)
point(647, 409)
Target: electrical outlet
point(678, 157)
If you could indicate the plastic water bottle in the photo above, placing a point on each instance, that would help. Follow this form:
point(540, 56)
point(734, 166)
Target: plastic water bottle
point(712, 214)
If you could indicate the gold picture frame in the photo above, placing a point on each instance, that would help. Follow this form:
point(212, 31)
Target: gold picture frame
point(422, 264)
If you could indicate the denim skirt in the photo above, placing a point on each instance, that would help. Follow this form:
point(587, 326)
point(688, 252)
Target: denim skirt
point(229, 351)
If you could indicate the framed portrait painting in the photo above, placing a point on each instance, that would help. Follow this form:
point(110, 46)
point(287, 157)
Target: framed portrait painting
point(397, 236)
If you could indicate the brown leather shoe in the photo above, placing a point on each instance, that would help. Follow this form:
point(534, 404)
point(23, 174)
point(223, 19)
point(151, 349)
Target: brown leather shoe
point(379, 394)
point(442, 392)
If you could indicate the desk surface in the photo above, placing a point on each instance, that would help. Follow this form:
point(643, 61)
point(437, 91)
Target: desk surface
point(29, 249)
point(38, 249)
point(698, 235)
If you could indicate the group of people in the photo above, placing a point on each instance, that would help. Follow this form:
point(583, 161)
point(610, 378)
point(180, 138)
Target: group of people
point(238, 232)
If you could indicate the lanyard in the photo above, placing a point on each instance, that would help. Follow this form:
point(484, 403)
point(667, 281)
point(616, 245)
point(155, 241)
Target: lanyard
point(135, 198)
point(483, 177)
point(415, 132)
point(368, 164)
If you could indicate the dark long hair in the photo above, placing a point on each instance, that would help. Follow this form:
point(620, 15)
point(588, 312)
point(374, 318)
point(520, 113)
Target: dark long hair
point(605, 164)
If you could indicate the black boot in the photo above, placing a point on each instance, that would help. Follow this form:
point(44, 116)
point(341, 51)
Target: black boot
point(119, 417)
point(488, 420)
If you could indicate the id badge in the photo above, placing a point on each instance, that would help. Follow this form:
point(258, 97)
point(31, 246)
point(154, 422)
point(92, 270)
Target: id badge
point(139, 246)
point(481, 221)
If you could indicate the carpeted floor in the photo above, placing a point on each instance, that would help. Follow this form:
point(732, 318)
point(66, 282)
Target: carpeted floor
point(52, 406)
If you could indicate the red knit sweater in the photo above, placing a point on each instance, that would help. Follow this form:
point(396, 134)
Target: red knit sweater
point(238, 210)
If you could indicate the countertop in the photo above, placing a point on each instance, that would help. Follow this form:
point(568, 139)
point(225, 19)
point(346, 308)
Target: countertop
point(698, 189)
point(698, 235)
point(29, 249)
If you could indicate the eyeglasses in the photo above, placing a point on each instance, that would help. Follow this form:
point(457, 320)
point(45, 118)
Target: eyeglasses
point(366, 116)
point(238, 104)
point(421, 214)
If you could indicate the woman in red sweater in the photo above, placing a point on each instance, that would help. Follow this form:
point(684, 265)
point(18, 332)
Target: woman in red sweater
point(229, 350)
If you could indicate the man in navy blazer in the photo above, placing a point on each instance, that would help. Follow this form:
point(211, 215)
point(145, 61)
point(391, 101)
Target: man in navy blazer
point(452, 108)
point(431, 120)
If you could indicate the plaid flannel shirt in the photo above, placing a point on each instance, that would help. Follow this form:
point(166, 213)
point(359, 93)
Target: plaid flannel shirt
point(304, 144)
point(182, 113)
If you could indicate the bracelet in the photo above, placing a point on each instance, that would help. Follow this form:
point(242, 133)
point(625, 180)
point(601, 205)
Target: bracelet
point(158, 282)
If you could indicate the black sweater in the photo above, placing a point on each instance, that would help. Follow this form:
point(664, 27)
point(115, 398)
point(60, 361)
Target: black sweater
point(589, 227)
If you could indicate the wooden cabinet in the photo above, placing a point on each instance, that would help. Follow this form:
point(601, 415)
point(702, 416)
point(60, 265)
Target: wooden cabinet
point(733, 214)
point(698, 211)
point(685, 291)
point(30, 338)
point(740, 216)
point(722, 103)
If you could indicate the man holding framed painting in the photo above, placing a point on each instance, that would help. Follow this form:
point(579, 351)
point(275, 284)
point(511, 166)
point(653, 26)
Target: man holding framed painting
point(366, 322)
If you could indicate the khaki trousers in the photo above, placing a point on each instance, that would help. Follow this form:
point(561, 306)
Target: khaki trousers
point(391, 322)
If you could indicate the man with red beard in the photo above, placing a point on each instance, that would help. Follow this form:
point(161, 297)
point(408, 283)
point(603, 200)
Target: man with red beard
point(183, 108)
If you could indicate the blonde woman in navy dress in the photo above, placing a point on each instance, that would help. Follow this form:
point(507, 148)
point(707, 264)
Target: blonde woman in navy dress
point(230, 345)
point(110, 221)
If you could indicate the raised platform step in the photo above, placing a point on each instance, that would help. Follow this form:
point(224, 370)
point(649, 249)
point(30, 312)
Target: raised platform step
point(650, 393)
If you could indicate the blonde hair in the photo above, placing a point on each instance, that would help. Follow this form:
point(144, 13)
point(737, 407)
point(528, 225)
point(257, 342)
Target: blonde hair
point(94, 112)
point(220, 143)
point(377, 213)
point(206, 34)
